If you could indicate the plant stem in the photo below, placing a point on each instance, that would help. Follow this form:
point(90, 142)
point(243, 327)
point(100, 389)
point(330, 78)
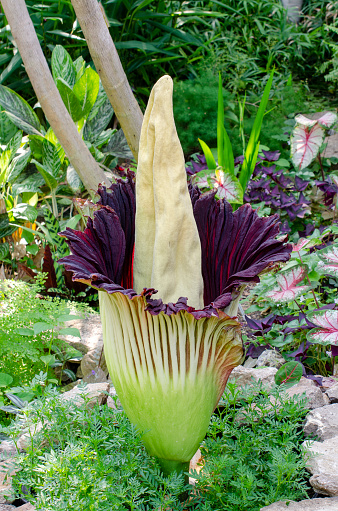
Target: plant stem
point(170, 466)
point(321, 166)
point(314, 296)
point(54, 204)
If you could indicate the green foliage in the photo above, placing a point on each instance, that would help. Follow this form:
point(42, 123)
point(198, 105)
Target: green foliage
point(94, 458)
point(29, 327)
point(252, 453)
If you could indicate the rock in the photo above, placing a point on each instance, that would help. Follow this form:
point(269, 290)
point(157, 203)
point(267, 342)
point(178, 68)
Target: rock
point(328, 382)
point(328, 504)
point(331, 149)
point(315, 398)
point(270, 358)
point(244, 376)
point(323, 465)
point(25, 440)
point(250, 363)
point(90, 329)
point(7, 448)
point(7, 507)
point(332, 393)
point(26, 507)
point(325, 484)
point(7, 470)
point(96, 376)
point(95, 393)
point(322, 422)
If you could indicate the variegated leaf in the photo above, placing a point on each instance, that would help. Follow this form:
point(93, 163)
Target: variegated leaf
point(228, 187)
point(305, 121)
point(287, 289)
point(327, 333)
point(329, 262)
point(327, 120)
point(305, 144)
point(302, 243)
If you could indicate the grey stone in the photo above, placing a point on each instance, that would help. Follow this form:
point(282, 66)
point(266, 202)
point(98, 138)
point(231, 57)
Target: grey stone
point(245, 376)
point(327, 504)
point(96, 376)
point(250, 363)
point(331, 149)
point(325, 484)
point(92, 341)
point(26, 507)
point(332, 393)
point(315, 398)
point(7, 470)
point(328, 382)
point(94, 393)
point(270, 358)
point(7, 507)
point(322, 462)
point(7, 448)
point(322, 422)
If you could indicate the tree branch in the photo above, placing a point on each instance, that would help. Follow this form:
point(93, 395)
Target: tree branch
point(109, 67)
point(49, 98)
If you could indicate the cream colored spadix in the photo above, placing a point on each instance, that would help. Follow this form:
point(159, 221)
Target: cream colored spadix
point(167, 247)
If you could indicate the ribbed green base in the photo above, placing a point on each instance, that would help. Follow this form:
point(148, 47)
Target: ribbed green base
point(170, 466)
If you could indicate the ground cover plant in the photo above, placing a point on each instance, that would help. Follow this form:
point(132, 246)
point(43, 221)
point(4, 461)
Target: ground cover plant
point(94, 458)
point(30, 327)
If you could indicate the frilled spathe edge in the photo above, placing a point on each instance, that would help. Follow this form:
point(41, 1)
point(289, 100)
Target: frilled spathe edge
point(154, 306)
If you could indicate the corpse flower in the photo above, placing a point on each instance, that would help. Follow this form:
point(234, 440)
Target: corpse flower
point(170, 357)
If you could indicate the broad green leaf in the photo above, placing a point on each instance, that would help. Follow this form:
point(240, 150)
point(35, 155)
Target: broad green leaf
point(31, 249)
point(24, 211)
point(5, 379)
point(48, 359)
point(289, 374)
point(17, 165)
point(70, 331)
point(8, 154)
point(51, 137)
point(51, 159)
point(97, 123)
point(19, 111)
point(4, 250)
point(14, 64)
point(73, 179)
point(70, 100)
point(28, 332)
point(118, 146)
point(53, 228)
point(30, 184)
point(208, 155)
point(49, 179)
point(7, 129)
point(80, 66)
point(67, 317)
point(62, 66)
point(86, 90)
point(251, 152)
point(6, 228)
point(41, 326)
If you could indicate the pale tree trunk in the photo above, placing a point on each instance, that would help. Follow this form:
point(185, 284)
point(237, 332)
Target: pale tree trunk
point(109, 67)
point(48, 95)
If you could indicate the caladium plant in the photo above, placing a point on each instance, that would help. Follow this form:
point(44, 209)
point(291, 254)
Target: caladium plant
point(288, 289)
point(307, 138)
point(170, 358)
point(329, 261)
point(327, 333)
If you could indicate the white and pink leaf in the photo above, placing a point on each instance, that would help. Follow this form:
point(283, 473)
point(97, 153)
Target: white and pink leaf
point(329, 262)
point(327, 333)
point(228, 187)
point(305, 144)
point(287, 289)
point(328, 119)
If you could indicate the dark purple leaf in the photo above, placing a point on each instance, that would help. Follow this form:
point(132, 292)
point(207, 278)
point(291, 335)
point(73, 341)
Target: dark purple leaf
point(236, 247)
point(300, 184)
point(271, 155)
point(334, 350)
point(121, 198)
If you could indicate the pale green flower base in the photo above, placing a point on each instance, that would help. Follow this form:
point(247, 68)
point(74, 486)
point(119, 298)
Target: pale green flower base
point(169, 372)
